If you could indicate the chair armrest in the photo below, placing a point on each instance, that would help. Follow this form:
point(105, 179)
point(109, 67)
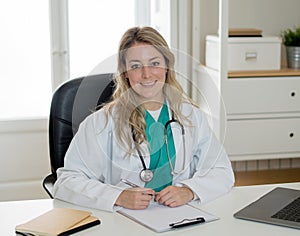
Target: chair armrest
point(48, 183)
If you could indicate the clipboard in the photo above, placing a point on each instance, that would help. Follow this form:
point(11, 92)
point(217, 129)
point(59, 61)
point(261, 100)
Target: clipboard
point(160, 218)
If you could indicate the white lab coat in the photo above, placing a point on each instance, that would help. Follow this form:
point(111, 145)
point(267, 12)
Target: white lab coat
point(95, 163)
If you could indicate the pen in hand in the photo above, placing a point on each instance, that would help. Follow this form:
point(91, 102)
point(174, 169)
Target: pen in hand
point(125, 181)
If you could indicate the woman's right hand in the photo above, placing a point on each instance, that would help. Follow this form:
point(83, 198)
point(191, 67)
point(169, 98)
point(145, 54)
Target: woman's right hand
point(135, 198)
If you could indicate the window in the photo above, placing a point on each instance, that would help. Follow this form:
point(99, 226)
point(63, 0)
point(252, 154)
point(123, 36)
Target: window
point(96, 26)
point(160, 18)
point(25, 74)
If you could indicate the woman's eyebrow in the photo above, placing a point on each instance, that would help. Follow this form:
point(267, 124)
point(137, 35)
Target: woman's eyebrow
point(133, 60)
point(151, 59)
point(154, 58)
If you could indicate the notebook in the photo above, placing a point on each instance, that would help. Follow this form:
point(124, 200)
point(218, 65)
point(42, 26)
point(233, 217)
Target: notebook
point(281, 206)
point(58, 221)
point(160, 218)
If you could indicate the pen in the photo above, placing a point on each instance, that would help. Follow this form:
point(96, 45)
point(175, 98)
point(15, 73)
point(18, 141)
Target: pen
point(125, 181)
point(187, 222)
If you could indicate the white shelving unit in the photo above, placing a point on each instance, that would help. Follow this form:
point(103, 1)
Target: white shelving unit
point(257, 114)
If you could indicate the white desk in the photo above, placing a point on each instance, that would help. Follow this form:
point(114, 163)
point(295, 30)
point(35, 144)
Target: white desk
point(16, 212)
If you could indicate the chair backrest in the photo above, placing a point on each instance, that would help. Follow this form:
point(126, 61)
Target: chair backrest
point(71, 104)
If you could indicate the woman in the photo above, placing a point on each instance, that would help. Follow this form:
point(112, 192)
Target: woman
point(151, 135)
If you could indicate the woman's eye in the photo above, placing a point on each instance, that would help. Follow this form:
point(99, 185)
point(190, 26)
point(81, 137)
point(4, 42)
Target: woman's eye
point(135, 66)
point(155, 63)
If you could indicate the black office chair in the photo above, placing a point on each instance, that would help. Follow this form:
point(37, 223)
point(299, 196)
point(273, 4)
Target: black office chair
point(71, 103)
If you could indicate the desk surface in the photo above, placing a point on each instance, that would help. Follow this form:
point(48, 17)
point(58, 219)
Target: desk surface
point(16, 212)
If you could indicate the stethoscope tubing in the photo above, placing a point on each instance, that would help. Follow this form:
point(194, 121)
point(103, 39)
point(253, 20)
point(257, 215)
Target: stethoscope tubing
point(173, 172)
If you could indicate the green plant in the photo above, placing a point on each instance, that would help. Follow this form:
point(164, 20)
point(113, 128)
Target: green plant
point(291, 37)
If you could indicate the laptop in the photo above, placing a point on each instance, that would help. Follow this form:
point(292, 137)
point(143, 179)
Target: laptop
point(281, 206)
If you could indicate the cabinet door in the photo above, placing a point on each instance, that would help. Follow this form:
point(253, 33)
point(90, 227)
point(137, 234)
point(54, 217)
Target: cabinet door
point(262, 95)
point(244, 137)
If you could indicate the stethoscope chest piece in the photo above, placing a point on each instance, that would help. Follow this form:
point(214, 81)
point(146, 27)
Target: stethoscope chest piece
point(146, 175)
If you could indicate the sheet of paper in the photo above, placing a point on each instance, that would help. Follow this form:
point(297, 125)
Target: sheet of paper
point(158, 217)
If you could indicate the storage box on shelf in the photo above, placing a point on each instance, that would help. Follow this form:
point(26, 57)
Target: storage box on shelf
point(245, 53)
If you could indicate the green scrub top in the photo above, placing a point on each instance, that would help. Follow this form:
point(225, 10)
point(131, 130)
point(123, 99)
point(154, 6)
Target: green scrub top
point(159, 162)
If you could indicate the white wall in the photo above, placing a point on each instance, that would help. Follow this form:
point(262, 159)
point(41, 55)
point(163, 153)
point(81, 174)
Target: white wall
point(24, 160)
point(209, 16)
point(271, 16)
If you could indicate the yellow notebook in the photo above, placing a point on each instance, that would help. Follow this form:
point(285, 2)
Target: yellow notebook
point(58, 222)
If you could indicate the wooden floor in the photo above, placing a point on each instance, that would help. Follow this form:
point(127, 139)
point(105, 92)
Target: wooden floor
point(267, 176)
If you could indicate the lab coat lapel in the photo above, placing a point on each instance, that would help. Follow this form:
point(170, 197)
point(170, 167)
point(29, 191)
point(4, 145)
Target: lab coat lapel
point(178, 142)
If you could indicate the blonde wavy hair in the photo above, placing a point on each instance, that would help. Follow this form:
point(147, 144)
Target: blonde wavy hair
point(125, 108)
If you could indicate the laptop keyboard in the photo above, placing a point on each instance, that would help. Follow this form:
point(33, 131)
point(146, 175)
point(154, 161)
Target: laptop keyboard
point(290, 212)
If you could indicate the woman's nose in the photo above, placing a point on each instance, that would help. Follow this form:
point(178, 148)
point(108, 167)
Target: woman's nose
point(146, 71)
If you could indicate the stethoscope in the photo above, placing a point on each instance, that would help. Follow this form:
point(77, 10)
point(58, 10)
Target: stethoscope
point(146, 175)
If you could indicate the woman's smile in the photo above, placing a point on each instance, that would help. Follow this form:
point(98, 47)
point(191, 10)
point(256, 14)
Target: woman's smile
point(149, 83)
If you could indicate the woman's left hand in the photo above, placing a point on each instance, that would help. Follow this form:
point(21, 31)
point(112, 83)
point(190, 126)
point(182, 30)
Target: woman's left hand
point(173, 196)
